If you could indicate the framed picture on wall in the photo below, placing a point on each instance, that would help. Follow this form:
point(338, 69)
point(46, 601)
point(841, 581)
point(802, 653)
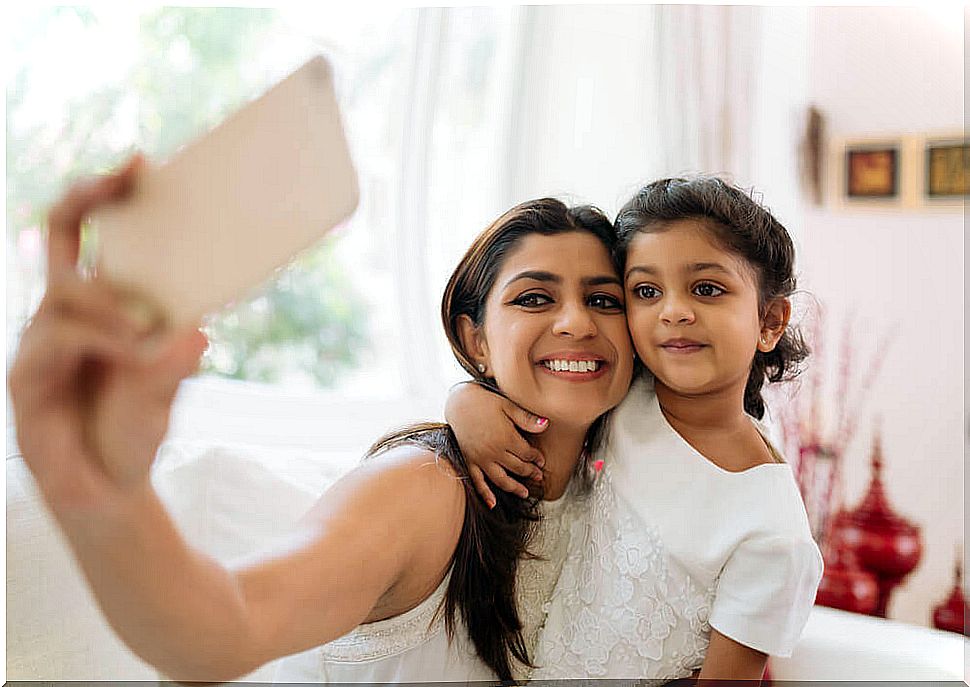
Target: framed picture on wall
point(872, 172)
point(947, 174)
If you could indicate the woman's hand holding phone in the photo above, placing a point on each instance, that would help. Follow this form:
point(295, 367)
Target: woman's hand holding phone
point(91, 402)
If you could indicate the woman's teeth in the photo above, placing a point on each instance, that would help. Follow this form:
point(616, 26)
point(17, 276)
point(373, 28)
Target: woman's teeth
point(572, 365)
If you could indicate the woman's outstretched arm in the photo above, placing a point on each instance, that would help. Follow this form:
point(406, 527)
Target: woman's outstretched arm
point(194, 619)
point(91, 407)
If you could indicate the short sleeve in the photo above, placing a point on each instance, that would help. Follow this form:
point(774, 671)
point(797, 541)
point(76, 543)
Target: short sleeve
point(765, 592)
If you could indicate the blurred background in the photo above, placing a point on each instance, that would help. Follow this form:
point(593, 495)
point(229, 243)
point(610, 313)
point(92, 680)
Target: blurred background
point(455, 114)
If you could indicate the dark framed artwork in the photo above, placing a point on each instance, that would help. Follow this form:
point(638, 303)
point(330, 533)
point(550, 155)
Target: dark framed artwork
point(872, 172)
point(947, 169)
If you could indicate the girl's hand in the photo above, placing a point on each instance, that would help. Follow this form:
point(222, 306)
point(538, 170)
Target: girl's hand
point(485, 425)
point(90, 405)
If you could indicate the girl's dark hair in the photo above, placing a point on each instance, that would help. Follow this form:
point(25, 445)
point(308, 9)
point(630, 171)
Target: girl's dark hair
point(746, 228)
point(482, 586)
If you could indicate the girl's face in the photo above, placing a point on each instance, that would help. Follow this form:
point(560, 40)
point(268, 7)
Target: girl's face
point(692, 309)
point(555, 337)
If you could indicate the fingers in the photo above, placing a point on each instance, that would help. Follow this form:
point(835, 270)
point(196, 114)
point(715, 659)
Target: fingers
point(525, 420)
point(168, 361)
point(88, 301)
point(64, 219)
point(501, 479)
point(481, 486)
point(516, 445)
point(514, 464)
point(54, 349)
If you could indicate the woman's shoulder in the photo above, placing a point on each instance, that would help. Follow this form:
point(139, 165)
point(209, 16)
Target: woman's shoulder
point(414, 469)
point(406, 481)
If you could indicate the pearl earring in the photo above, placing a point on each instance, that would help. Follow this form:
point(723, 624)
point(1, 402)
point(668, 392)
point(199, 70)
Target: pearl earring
point(481, 367)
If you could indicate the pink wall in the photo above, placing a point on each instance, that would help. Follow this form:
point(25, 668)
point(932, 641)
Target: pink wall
point(886, 71)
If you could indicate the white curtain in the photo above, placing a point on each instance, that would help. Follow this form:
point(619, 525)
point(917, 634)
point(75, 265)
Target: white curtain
point(708, 71)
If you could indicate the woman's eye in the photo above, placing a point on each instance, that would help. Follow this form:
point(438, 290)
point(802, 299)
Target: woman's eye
point(532, 300)
point(605, 301)
point(708, 290)
point(646, 291)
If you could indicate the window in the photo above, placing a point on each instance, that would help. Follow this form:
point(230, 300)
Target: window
point(357, 316)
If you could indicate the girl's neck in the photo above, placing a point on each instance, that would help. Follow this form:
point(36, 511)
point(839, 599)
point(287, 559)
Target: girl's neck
point(562, 447)
point(713, 412)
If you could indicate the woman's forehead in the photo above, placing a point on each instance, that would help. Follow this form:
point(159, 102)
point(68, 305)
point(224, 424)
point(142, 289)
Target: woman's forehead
point(575, 253)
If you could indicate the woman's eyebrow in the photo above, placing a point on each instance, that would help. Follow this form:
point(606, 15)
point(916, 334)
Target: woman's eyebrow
point(602, 279)
point(535, 275)
point(539, 275)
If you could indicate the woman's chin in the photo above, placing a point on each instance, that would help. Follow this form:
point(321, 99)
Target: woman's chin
point(572, 416)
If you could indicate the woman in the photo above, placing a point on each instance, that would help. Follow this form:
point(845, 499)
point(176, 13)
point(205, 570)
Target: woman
point(386, 544)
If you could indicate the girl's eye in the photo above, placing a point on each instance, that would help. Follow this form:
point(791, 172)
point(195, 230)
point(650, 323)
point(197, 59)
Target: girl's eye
point(605, 301)
point(646, 292)
point(708, 290)
point(532, 300)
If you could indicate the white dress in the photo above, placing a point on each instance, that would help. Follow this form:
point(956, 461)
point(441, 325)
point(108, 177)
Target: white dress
point(414, 647)
point(670, 546)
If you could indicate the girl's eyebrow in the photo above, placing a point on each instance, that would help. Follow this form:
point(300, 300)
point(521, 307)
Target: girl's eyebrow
point(538, 275)
point(691, 268)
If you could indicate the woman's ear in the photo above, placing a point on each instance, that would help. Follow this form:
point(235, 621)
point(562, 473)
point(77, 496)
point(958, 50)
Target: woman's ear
point(773, 323)
point(473, 343)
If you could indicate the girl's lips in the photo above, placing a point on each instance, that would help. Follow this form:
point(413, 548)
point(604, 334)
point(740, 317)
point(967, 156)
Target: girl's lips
point(683, 349)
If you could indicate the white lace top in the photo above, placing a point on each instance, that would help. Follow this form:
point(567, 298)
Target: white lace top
point(670, 546)
point(413, 647)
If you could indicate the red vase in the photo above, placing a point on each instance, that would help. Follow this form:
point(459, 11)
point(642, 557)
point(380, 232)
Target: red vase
point(886, 544)
point(951, 614)
point(845, 584)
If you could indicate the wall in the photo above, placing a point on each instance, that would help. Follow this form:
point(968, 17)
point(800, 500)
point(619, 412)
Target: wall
point(894, 70)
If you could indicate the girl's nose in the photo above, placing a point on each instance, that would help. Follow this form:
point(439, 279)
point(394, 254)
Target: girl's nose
point(676, 311)
point(575, 320)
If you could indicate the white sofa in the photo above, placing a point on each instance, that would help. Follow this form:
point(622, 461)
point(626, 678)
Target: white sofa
point(231, 501)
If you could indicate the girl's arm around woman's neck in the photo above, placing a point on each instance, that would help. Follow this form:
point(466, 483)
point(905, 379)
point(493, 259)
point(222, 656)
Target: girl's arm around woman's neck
point(376, 544)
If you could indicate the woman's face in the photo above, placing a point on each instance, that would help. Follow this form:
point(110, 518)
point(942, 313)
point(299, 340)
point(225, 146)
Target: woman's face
point(555, 337)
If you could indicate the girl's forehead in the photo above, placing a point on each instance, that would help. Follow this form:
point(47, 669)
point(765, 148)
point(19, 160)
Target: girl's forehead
point(683, 243)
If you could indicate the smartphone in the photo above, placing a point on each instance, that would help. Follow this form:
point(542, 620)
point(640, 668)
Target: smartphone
point(229, 209)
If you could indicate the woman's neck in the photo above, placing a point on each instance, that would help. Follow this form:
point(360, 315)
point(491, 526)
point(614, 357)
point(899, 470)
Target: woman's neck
point(562, 447)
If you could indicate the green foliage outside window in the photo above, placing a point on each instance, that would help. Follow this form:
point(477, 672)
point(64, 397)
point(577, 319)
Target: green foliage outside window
point(191, 69)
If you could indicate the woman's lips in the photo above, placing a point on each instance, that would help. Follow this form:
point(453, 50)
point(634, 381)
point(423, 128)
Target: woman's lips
point(576, 376)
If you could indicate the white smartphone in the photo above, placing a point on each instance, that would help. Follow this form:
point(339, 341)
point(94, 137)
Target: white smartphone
point(229, 209)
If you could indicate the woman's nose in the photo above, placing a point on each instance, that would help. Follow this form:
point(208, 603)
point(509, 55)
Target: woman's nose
point(575, 320)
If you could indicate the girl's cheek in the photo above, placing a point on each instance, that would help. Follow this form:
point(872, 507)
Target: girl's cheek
point(638, 333)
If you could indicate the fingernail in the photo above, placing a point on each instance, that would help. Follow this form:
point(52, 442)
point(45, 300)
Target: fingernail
point(491, 504)
point(542, 421)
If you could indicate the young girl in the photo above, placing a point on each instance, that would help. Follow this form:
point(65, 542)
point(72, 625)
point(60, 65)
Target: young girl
point(694, 551)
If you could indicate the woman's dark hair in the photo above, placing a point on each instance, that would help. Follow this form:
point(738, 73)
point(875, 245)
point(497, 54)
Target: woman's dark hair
point(746, 228)
point(482, 586)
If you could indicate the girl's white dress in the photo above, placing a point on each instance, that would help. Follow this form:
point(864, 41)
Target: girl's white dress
point(670, 546)
point(414, 647)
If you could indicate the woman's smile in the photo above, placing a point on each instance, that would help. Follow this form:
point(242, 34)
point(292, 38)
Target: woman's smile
point(574, 366)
